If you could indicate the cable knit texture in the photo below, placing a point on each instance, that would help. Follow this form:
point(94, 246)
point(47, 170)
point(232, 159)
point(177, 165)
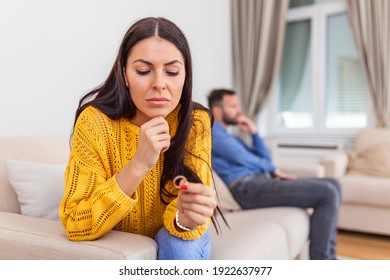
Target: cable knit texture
point(93, 202)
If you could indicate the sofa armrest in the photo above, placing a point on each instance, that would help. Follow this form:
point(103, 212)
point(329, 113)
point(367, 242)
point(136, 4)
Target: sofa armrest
point(303, 169)
point(24, 237)
point(335, 164)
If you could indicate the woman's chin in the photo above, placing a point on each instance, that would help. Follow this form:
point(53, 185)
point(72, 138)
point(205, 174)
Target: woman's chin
point(161, 112)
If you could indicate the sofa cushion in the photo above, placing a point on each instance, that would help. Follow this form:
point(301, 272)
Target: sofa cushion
point(39, 187)
point(374, 161)
point(369, 137)
point(30, 238)
point(51, 149)
point(225, 198)
point(365, 190)
point(264, 233)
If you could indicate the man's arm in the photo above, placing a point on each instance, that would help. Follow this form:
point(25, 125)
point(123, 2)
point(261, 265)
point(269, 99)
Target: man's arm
point(259, 147)
point(233, 150)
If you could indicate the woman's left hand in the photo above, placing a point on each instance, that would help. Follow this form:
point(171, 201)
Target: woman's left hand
point(196, 203)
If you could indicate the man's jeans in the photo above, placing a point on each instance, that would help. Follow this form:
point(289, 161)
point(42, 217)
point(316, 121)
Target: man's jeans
point(173, 248)
point(321, 194)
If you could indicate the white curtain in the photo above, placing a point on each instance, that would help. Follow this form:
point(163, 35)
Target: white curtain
point(370, 22)
point(258, 37)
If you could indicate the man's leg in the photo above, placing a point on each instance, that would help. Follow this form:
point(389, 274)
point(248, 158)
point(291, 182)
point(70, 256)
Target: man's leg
point(323, 196)
point(337, 187)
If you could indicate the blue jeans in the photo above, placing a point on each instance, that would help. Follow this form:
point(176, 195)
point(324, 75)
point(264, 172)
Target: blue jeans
point(321, 194)
point(173, 248)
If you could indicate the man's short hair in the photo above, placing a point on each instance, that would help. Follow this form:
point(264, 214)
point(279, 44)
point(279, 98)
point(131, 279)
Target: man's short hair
point(216, 96)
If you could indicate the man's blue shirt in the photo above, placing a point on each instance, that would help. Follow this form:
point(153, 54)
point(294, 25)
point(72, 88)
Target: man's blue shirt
point(233, 159)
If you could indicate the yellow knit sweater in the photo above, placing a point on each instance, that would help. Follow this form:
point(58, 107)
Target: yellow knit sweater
point(93, 202)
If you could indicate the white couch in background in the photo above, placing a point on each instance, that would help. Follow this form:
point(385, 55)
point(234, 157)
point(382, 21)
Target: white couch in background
point(364, 174)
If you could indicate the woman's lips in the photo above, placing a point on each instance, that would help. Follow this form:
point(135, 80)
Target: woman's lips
point(157, 101)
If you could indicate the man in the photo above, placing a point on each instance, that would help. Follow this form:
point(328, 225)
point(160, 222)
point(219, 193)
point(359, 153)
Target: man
point(255, 182)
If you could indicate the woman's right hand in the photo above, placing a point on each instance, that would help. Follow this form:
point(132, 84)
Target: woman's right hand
point(154, 139)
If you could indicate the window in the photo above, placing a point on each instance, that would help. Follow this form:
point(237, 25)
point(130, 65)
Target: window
point(321, 87)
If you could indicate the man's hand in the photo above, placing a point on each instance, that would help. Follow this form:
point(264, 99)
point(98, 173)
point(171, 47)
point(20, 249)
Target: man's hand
point(283, 175)
point(246, 124)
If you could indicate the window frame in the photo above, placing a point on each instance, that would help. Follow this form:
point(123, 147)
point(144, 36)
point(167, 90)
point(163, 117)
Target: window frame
point(318, 15)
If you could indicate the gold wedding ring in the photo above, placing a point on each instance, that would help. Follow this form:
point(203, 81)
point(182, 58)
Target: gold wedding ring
point(179, 180)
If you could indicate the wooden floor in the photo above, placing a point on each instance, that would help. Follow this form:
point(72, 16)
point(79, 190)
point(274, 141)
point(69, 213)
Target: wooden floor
point(363, 246)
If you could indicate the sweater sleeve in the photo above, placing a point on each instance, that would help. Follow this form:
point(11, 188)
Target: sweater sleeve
point(199, 143)
point(93, 202)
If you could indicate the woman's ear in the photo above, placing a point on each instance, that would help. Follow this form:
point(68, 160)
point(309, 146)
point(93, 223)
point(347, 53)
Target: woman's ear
point(124, 76)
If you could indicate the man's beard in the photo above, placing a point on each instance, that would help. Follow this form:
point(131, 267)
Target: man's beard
point(228, 120)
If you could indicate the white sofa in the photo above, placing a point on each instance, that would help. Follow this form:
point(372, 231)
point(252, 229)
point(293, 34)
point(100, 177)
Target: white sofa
point(271, 233)
point(366, 195)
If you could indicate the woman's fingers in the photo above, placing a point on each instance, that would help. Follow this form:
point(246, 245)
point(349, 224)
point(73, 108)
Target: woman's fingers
point(194, 219)
point(156, 134)
point(198, 199)
point(196, 203)
point(201, 210)
point(154, 139)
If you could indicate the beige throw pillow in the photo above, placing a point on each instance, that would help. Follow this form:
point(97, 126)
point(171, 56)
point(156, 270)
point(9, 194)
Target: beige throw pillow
point(39, 187)
point(374, 161)
point(226, 199)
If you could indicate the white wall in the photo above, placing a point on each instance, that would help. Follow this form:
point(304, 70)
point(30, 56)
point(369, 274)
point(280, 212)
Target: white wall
point(53, 52)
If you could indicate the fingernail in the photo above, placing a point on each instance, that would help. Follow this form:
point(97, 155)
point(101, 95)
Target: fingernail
point(183, 187)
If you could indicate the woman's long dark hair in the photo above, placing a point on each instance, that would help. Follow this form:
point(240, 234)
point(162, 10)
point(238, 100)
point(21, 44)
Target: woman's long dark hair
point(114, 100)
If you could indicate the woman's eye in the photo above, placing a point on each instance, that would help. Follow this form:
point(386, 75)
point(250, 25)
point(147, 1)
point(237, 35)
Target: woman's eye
point(172, 73)
point(143, 72)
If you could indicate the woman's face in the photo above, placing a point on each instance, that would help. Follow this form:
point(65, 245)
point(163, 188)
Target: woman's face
point(155, 74)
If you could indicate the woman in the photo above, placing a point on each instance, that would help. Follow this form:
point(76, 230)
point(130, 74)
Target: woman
point(132, 135)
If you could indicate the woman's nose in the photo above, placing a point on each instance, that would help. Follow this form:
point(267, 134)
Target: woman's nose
point(159, 83)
